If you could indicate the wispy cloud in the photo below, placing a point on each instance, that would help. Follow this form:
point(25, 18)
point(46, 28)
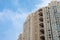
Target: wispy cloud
point(43, 4)
point(16, 18)
point(12, 21)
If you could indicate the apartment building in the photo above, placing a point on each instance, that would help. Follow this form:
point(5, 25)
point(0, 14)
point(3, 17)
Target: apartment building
point(51, 20)
point(44, 24)
point(34, 27)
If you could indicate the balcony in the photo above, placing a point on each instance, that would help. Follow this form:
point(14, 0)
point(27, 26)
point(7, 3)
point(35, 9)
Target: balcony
point(42, 30)
point(41, 19)
point(41, 25)
point(42, 37)
point(41, 14)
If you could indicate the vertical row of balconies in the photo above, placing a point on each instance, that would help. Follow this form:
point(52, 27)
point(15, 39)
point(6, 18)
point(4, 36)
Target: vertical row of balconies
point(41, 25)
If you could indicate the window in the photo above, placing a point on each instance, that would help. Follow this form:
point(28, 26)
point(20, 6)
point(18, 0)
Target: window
point(40, 14)
point(47, 21)
point(49, 37)
point(55, 9)
point(49, 34)
point(59, 36)
point(41, 19)
point(42, 31)
point(48, 30)
point(41, 25)
point(42, 38)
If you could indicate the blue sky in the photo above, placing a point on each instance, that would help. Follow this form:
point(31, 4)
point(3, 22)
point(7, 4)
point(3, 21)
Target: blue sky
point(13, 14)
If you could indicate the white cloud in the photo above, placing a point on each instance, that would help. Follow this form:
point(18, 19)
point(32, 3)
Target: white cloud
point(16, 18)
point(43, 4)
point(40, 5)
point(19, 16)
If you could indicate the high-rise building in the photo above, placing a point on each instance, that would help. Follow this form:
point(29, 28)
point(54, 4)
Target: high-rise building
point(51, 16)
point(34, 27)
point(44, 24)
point(26, 29)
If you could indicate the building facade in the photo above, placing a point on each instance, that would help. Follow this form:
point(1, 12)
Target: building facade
point(51, 21)
point(26, 29)
point(44, 24)
point(34, 26)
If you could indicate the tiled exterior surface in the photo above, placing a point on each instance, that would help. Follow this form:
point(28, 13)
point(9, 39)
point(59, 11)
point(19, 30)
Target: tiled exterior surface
point(44, 24)
point(51, 21)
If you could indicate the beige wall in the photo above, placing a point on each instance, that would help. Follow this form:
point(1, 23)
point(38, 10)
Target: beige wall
point(41, 25)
